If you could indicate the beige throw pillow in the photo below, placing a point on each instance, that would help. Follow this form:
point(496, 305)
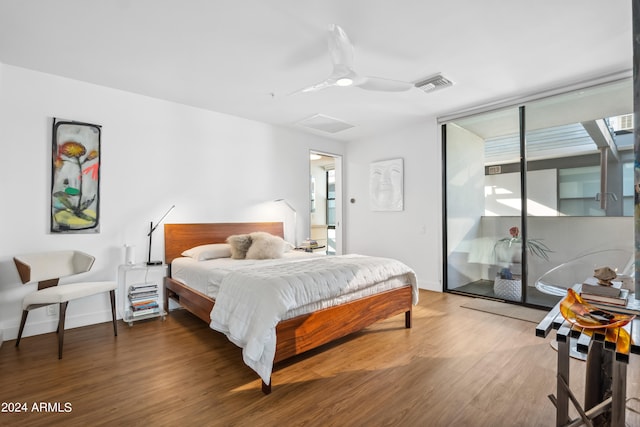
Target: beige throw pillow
point(240, 244)
point(265, 246)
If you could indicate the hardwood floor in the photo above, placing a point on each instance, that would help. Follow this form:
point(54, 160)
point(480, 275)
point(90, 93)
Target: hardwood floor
point(455, 367)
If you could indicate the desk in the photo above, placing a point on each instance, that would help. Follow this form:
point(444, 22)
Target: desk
point(606, 370)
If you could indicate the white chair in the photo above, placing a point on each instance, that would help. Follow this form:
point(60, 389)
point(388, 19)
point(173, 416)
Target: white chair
point(47, 268)
point(557, 280)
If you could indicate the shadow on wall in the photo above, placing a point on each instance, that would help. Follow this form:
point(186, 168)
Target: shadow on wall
point(8, 274)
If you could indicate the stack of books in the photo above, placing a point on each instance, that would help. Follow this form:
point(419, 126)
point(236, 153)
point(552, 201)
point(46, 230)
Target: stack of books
point(309, 244)
point(610, 295)
point(143, 299)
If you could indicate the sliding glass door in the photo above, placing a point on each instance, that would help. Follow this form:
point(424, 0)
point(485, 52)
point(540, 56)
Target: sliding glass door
point(579, 151)
point(534, 186)
point(483, 214)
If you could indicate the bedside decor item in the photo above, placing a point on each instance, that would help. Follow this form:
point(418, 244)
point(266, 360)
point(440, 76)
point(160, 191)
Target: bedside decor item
point(129, 254)
point(386, 185)
point(75, 177)
point(152, 228)
point(604, 275)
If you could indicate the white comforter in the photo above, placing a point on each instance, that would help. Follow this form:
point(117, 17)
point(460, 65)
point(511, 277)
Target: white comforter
point(251, 302)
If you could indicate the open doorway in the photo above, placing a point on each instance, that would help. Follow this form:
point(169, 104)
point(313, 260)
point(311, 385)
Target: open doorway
point(325, 216)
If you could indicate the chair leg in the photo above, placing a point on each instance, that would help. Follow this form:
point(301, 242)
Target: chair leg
point(63, 312)
point(112, 294)
point(22, 322)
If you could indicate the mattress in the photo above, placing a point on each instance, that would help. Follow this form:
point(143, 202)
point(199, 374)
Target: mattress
point(206, 276)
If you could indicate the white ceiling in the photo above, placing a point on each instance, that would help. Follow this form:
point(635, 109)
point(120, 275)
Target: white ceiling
point(243, 57)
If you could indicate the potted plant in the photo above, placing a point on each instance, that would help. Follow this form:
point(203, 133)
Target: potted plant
point(508, 253)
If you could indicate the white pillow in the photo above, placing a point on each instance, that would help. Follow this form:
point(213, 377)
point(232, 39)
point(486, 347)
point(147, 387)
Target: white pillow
point(265, 246)
point(211, 251)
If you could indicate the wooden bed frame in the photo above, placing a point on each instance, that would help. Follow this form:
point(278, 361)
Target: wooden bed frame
point(296, 335)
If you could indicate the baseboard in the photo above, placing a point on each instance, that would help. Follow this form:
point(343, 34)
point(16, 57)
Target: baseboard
point(50, 325)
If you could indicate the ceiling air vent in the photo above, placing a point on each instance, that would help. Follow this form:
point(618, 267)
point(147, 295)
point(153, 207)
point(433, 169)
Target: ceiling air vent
point(434, 83)
point(325, 124)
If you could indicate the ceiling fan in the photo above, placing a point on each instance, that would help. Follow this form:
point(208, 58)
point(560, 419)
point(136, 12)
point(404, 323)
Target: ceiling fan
point(343, 75)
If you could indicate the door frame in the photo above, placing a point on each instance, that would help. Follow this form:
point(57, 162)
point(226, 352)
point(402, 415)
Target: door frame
point(339, 192)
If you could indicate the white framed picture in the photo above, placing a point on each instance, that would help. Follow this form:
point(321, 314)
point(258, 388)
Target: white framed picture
point(386, 185)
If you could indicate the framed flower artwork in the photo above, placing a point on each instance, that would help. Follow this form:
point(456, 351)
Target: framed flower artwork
point(75, 177)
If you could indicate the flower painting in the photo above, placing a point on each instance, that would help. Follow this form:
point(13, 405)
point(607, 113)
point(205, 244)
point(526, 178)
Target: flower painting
point(75, 183)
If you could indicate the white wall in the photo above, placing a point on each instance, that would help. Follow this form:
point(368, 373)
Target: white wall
point(503, 198)
point(213, 167)
point(414, 234)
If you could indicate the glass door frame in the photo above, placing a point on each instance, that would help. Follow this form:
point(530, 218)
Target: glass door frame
point(464, 242)
point(523, 207)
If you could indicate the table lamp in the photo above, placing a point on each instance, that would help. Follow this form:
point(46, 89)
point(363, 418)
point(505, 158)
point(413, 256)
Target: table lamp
point(152, 228)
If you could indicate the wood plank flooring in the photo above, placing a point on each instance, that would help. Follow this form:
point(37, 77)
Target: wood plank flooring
point(455, 367)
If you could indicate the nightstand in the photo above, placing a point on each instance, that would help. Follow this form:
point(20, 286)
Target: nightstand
point(140, 291)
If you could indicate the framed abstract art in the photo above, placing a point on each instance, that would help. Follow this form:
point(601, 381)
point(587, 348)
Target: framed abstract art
point(75, 177)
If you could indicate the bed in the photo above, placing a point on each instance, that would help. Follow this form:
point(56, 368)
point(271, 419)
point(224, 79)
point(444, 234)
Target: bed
point(293, 335)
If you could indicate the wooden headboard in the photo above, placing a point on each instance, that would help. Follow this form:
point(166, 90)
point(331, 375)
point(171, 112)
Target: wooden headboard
point(180, 237)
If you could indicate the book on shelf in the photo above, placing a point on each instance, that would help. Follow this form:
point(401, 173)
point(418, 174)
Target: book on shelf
point(148, 311)
point(144, 301)
point(144, 307)
point(632, 307)
point(143, 296)
point(309, 244)
point(138, 294)
point(143, 292)
point(143, 287)
point(619, 301)
point(611, 295)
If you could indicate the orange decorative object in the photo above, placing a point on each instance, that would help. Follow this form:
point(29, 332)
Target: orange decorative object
point(575, 310)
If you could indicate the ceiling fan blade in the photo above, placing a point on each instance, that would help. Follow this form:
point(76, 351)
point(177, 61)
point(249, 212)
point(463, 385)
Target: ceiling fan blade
point(316, 87)
point(340, 47)
point(342, 52)
point(384, 85)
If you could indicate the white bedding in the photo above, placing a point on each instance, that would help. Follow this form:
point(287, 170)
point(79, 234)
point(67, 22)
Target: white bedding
point(252, 296)
point(205, 276)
